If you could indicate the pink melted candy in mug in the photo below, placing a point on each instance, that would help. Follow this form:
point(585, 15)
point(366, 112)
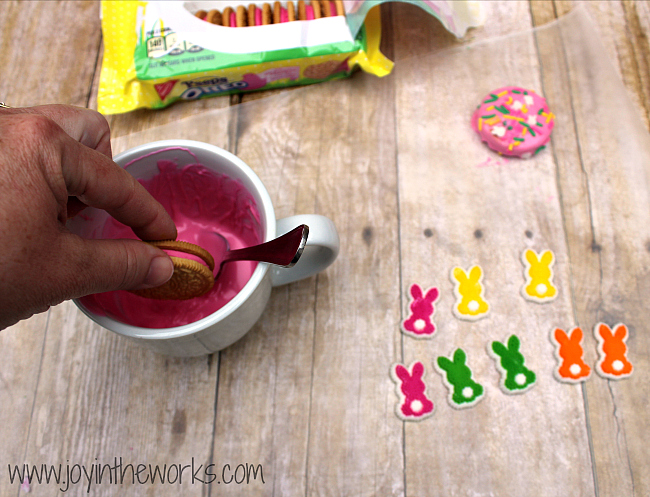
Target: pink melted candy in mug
point(201, 202)
point(206, 190)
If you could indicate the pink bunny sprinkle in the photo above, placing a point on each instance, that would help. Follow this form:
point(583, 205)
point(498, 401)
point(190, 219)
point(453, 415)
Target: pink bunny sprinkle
point(414, 403)
point(420, 323)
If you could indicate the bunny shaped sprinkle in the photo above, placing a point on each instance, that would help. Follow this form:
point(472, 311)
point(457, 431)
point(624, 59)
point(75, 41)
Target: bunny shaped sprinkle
point(414, 405)
point(515, 377)
point(463, 391)
point(568, 350)
point(612, 350)
point(539, 276)
point(470, 304)
point(419, 324)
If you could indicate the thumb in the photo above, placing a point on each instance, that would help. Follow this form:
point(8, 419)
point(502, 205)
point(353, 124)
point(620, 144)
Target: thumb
point(96, 266)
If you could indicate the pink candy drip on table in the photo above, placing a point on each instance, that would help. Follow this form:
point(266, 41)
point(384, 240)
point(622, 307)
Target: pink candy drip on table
point(200, 202)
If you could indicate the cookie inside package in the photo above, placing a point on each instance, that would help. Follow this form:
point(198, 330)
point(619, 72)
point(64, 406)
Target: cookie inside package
point(156, 53)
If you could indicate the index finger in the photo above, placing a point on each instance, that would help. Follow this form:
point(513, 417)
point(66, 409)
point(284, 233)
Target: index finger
point(99, 182)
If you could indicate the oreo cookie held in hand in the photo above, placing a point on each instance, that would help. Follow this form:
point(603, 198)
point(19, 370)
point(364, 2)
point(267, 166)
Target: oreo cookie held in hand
point(190, 279)
point(514, 121)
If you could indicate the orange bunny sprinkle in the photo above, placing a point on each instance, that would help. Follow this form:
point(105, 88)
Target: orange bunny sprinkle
point(613, 362)
point(569, 352)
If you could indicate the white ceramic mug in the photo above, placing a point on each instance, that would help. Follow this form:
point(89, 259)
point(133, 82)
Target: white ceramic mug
point(228, 324)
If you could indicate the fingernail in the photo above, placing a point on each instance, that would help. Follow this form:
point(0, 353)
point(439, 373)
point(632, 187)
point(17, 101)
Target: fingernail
point(160, 272)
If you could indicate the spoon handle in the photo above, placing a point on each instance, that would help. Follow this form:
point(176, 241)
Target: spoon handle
point(283, 251)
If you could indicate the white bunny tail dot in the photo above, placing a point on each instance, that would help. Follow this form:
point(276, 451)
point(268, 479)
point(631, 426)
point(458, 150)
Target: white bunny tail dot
point(541, 289)
point(617, 365)
point(416, 406)
point(473, 306)
point(575, 369)
point(520, 379)
point(468, 392)
point(419, 324)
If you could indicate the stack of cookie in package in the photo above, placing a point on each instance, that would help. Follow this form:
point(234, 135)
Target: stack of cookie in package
point(156, 53)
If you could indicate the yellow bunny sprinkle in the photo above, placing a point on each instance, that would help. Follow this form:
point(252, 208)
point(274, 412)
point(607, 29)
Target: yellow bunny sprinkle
point(539, 276)
point(470, 303)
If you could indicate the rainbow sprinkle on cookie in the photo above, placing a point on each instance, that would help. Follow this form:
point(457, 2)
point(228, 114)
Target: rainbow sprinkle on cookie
point(514, 121)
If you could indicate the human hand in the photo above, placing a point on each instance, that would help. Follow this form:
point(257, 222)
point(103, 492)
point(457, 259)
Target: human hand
point(54, 161)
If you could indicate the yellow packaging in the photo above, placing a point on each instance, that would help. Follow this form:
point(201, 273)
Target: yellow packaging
point(156, 53)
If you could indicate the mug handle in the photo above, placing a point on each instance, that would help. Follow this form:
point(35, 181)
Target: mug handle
point(320, 251)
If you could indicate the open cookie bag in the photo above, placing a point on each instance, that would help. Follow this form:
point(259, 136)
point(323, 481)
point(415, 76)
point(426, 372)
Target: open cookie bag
point(157, 53)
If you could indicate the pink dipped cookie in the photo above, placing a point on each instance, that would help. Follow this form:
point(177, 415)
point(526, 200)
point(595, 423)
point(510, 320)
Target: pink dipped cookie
point(513, 121)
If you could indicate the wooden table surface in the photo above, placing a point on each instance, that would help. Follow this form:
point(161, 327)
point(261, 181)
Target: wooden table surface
point(306, 393)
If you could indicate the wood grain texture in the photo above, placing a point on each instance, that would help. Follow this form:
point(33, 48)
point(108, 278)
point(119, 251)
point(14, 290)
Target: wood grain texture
point(623, 38)
point(49, 52)
point(306, 393)
point(424, 35)
point(32, 76)
point(623, 29)
point(602, 285)
point(328, 340)
point(457, 211)
point(543, 12)
point(603, 180)
point(22, 350)
point(216, 128)
point(101, 397)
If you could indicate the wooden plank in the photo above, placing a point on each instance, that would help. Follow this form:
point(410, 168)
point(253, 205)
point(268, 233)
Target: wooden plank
point(48, 52)
point(637, 16)
point(22, 350)
point(296, 395)
point(356, 334)
point(309, 379)
point(453, 212)
point(421, 34)
point(268, 373)
point(542, 13)
point(101, 397)
point(623, 29)
point(25, 28)
point(624, 35)
point(213, 127)
point(602, 175)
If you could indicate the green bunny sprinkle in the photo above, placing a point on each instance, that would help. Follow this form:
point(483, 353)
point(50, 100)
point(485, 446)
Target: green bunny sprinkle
point(464, 392)
point(516, 377)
